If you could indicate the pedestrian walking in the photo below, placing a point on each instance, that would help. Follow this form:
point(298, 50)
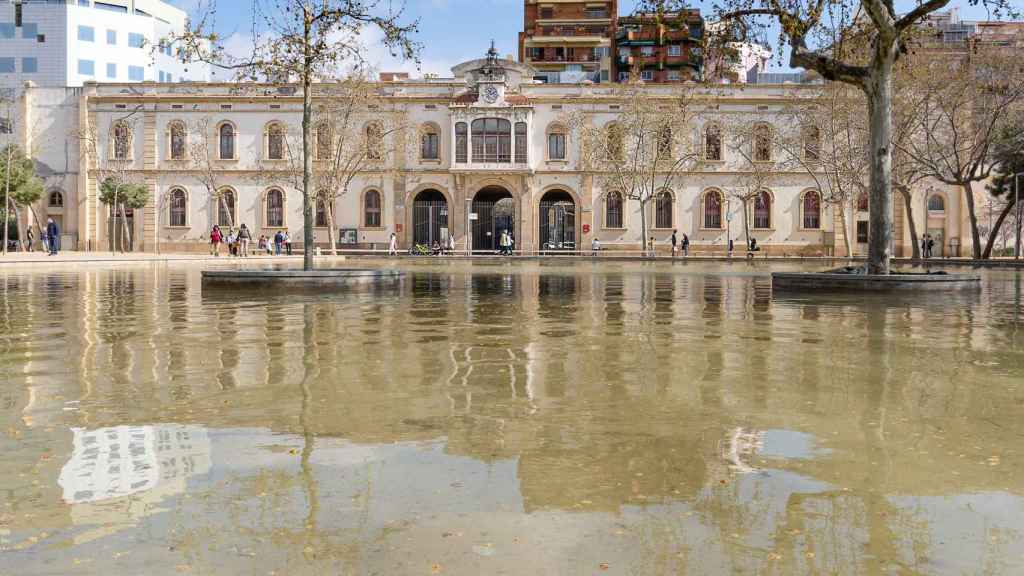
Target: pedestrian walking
point(451, 244)
point(686, 245)
point(504, 243)
point(278, 242)
point(53, 233)
point(924, 246)
point(215, 239)
point(931, 245)
point(28, 239)
point(244, 238)
point(674, 243)
point(288, 243)
point(393, 245)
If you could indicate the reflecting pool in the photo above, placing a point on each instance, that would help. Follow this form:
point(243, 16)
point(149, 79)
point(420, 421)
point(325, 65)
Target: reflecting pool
point(528, 418)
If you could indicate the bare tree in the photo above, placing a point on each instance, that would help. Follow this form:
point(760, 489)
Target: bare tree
point(110, 154)
point(645, 150)
point(202, 157)
point(962, 105)
point(306, 41)
point(828, 36)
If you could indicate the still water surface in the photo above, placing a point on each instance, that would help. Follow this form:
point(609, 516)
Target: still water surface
point(518, 419)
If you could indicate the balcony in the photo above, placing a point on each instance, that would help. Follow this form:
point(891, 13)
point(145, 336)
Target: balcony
point(571, 31)
point(565, 59)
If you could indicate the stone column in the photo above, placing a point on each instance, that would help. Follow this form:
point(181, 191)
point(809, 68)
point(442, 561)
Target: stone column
point(150, 218)
point(87, 203)
point(586, 216)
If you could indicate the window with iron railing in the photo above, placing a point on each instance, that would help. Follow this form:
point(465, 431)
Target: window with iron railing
point(492, 140)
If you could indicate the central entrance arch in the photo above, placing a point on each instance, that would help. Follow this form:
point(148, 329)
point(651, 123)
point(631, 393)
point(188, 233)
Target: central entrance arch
point(430, 218)
point(557, 221)
point(495, 211)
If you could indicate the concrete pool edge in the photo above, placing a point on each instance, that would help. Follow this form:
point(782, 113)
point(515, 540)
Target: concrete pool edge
point(800, 281)
point(297, 278)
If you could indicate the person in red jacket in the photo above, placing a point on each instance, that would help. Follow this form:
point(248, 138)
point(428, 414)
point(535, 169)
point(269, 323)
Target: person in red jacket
point(215, 239)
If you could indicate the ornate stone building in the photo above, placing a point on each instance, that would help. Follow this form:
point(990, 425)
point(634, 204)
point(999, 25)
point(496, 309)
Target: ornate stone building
point(495, 153)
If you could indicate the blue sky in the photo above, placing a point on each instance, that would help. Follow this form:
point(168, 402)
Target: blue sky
point(453, 31)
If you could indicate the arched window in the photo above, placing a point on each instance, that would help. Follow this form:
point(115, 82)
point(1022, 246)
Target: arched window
point(461, 143)
point(763, 210)
point(122, 141)
point(177, 205)
point(372, 209)
point(521, 143)
point(663, 210)
point(556, 143)
point(324, 141)
point(226, 208)
point(226, 141)
point(812, 143)
point(492, 140)
point(374, 141)
point(613, 210)
point(762, 143)
point(176, 145)
point(936, 203)
point(862, 202)
point(713, 142)
point(812, 210)
point(321, 211)
point(616, 136)
point(56, 199)
point(713, 210)
point(275, 208)
point(430, 143)
point(275, 141)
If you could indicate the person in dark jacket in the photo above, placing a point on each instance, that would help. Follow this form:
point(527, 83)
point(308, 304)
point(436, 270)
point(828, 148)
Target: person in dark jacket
point(53, 234)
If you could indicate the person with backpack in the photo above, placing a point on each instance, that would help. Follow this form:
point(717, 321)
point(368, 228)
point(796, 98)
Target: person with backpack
point(278, 242)
point(244, 238)
point(686, 245)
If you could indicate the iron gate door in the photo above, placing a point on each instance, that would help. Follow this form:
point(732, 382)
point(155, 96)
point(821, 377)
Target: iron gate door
point(558, 225)
point(493, 218)
point(429, 217)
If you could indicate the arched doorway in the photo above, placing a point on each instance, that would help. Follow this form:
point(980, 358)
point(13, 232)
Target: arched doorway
point(430, 218)
point(495, 212)
point(557, 220)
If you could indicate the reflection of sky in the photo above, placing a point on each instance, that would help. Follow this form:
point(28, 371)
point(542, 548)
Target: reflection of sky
point(790, 444)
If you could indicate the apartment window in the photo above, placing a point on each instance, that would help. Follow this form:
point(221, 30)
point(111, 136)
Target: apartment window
point(7, 66)
point(111, 71)
point(492, 140)
point(30, 31)
point(862, 232)
point(595, 12)
point(547, 12)
point(623, 76)
point(136, 40)
point(674, 76)
point(536, 53)
point(17, 14)
point(675, 50)
point(647, 50)
point(112, 37)
point(647, 75)
point(29, 65)
point(86, 67)
point(136, 73)
point(86, 34)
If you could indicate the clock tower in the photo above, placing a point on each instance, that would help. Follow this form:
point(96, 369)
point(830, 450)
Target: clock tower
point(491, 81)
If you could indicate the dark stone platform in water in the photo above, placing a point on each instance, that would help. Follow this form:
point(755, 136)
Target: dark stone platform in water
point(297, 278)
point(850, 280)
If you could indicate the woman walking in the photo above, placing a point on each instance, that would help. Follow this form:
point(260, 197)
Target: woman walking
point(215, 240)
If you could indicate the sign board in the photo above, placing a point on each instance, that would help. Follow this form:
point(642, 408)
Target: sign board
point(348, 236)
point(474, 216)
point(586, 228)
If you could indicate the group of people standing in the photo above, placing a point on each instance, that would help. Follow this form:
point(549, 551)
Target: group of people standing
point(927, 245)
point(683, 246)
point(49, 237)
point(238, 242)
point(506, 243)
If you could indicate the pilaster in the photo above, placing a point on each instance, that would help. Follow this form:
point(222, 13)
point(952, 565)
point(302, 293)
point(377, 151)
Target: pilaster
point(149, 164)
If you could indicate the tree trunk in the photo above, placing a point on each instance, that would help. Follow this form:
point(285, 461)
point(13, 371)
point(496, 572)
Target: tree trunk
point(879, 93)
point(7, 198)
point(21, 229)
point(1010, 205)
point(124, 229)
point(746, 226)
point(846, 229)
point(975, 234)
point(643, 227)
point(307, 147)
point(908, 204)
point(330, 227)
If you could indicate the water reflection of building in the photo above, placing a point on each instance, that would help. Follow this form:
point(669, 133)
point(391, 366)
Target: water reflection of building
point(115, 462)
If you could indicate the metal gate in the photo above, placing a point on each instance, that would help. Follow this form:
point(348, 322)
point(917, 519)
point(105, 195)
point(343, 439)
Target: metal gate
point(492, 218)
point(429, 218)
point(557, 225)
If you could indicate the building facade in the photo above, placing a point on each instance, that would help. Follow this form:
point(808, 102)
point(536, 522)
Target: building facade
point(71, 42)
point(568, 41)
point(662, 50)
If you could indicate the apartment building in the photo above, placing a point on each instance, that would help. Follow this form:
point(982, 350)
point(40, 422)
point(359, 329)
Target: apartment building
point(568, 42)
point(660, 48)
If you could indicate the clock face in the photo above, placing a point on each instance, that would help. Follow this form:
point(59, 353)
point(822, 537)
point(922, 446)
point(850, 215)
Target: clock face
point(490, 94)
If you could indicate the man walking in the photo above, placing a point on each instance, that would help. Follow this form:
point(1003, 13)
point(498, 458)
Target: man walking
point(393, 245)
point(674, 242)
point(53, 233)
point(278, 241)
point(686, 245)
point(244, 237)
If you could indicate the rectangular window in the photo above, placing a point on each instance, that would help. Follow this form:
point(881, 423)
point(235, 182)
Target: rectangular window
point(112, 71)
point(6, 30)
point(521, 142)
point(862, 232)
point(86, 67)
point(17, 14)
point(595, 13)
point(623, 76)
point(556, 146)
point(136, 40)
point(430, 147)
point(647, 50)
point(86, 34)
point(112, 37)
point(674, 76)
point(7, 66)
point(29, 31)
point(136, 73)
point(547, 13)
point(29, 65)
point(675, 50)
point(647, 75)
